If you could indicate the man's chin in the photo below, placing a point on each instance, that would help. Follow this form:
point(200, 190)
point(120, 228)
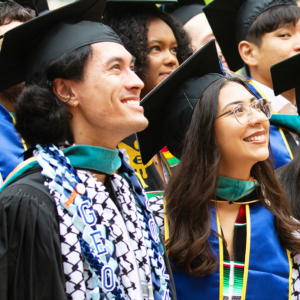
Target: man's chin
point(142, 125)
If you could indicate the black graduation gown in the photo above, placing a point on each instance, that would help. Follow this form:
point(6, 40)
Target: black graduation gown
point(30, 256)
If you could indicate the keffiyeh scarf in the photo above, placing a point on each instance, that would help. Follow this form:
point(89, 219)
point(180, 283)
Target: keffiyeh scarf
point(122, 250)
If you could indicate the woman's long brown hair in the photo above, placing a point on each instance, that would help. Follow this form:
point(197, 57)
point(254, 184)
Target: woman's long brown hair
point(194, 184)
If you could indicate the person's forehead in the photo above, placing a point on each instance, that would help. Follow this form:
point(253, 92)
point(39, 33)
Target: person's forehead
point(105, 51)
point(160, 29)
point(233, 91)
point(11, 25)
point(199, 21)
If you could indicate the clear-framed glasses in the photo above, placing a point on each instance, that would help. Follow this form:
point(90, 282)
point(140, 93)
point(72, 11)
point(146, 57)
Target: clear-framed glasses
point(243, 112)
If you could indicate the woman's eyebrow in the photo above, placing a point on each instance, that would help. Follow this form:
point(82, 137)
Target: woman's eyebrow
point(231, 103)
point(155, 41)
point(238, 102)
point(160, 42)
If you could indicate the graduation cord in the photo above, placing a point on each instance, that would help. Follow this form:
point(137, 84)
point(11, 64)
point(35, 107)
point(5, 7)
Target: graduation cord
point(100, 252)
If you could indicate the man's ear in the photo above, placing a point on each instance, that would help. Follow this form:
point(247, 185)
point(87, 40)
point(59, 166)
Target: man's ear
point(248, 53)
point(63, 90)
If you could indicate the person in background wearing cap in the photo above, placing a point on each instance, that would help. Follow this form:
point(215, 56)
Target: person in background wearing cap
point(12, 147)
point(190, 14)
point(159, 44)
point(227, 225)
point(256, 34)
point(75, 222)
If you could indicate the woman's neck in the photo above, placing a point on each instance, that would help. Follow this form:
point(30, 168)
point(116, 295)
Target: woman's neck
point(235, 170)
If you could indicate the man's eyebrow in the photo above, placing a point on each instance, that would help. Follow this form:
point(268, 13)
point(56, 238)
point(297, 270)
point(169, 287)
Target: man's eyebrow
point(115, 58)
point(237, 102)
point(285, 25)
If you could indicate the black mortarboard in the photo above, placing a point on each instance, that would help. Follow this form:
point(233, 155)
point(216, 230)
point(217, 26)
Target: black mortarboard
point(187, 9)
point(114, 7)
point(143, 1)
point(169, 106)
point(29, 48)
point(231, 20)
point(286, 76)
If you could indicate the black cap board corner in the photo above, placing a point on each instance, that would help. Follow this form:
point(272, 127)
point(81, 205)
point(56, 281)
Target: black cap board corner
point(171, 102)
point(231, 20)
point(29, 48)
point(143, 1)
point(286, 76)
point(122, 6)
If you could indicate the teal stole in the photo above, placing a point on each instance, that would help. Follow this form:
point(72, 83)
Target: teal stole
point(85, 157)
point(268, 267)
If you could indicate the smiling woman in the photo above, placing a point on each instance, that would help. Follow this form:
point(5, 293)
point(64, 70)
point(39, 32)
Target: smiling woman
point(227, 221)
point(226, 177)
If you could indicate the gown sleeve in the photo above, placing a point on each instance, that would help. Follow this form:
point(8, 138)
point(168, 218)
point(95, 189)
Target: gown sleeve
point(30, 256)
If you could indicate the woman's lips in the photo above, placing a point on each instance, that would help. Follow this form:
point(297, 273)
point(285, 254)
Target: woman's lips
point(258, 137)
point(165, 74)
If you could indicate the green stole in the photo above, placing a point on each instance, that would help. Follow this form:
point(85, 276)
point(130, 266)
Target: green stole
point(82, 157)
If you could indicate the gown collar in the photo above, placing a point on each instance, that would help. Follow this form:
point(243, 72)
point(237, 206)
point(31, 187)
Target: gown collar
point(235, 190)
point(94, 158)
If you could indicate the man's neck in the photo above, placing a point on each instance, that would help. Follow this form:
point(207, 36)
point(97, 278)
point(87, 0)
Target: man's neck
point(290, 95)
point(7, 105)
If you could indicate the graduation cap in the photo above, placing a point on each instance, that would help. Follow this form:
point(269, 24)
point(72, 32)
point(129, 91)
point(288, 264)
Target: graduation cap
point(185, 10)
point(169, 106)
point(114, 7)
point(231, 20)
point(286, 76)
point(141, 1)
point(38, 6)
point(29, 48)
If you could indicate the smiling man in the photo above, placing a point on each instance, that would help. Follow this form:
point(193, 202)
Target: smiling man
point(75, 221)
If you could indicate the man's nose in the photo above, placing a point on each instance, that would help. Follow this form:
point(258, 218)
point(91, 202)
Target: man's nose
point(132, 81)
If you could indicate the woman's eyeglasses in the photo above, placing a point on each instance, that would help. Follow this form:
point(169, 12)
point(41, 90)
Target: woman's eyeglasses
point(1, 36)
point(243, 112)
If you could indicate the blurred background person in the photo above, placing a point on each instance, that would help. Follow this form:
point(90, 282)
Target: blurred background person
point(190, 14)
point(12, 15)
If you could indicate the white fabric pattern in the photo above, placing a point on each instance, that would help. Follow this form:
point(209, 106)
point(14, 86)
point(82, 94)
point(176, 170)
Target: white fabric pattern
point(117, 258)
point(157, 206)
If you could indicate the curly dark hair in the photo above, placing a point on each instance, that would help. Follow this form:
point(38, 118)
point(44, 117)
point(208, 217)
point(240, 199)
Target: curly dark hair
point(132, 24)
point(11, 11)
